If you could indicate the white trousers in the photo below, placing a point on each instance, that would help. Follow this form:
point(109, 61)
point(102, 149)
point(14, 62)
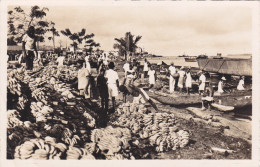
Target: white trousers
point(171, 84)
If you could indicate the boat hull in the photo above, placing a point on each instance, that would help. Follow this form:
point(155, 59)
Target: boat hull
point(227, 66)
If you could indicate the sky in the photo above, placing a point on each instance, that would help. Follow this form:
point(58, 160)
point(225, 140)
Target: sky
point(165, 30)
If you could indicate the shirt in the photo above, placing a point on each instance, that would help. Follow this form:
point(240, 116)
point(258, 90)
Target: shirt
point(145, 66)
point(111, 76)
point(240, 85)
point(202, 78)
point(29, 42)
point(88, 67)
point(181, 73)
point(126, 67)
point(151, 74)
point(172, 70)
point(60, 60)
point(82, 80)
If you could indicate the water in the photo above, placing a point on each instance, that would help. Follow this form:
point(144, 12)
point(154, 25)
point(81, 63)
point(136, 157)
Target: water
point(178, 61)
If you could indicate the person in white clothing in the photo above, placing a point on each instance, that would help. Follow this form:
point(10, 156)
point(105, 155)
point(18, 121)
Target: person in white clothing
point(126, 67)
point(29, 47)
point(220, 85)
point(83, 80)
point(151, 74)
point(112, 82)
point(145, 69)
point(241, 83)
point(60, 60)
point(188, 81)
point(172, 71)
point(202, 82)
point(181, 73)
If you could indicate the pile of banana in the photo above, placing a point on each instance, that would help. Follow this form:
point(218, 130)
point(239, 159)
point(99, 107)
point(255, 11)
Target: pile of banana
point(159, 128)
point(40, 149)
point(40, 111)
point(111, 141)
point(13, 119)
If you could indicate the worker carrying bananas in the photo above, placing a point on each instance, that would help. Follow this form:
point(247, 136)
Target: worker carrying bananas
point(129, 87)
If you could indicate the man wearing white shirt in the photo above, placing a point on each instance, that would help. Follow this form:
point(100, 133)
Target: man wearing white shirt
point(112, 82)
point(126, 67)
point(172, 71)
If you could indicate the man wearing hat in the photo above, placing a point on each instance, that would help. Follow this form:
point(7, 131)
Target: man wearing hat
point(172, 71)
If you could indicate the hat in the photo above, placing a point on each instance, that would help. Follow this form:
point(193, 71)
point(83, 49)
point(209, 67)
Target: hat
point(223, 78)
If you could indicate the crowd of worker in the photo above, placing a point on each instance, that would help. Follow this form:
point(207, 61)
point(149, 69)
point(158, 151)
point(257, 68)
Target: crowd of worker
point(107, 79)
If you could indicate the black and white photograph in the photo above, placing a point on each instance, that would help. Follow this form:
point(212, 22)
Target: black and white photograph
point(130, 81)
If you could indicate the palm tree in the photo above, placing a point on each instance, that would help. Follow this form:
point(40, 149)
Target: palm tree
point(127, 45)
point(54, 33)
point(78, 37)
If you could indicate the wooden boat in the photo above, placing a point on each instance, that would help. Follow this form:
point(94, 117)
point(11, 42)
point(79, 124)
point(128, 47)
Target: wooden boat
point(222, 107)
point(236, 101)
point(229, 66)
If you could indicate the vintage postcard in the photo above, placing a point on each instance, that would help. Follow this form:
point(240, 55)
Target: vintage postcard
point(153, 82)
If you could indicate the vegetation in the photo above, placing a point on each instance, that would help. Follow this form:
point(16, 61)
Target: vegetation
point(127, 45)
point(19, 22)
point(79, 37)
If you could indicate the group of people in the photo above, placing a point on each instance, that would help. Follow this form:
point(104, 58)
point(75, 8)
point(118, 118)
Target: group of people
point(183, 77)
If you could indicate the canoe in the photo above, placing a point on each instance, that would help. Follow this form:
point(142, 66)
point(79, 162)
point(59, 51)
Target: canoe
point(236, 101)
point(222, 107)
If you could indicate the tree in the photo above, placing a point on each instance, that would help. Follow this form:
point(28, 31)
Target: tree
point(19, 22)
point(54, 33)
point(90, 43)
point(127, 45)
point(79, 37)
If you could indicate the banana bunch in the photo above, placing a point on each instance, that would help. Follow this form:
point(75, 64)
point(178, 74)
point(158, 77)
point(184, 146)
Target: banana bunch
point(78, 153)
point(39, 95)
point(69, 138)
point(115, 157)
point(183, 138)
point(72, 141)
point(67, 94)
point(111, 139)
point(90, 120)
point(13, 119)
point(14, 86)
point(40, 111)
point(22, 100)
point(40, 149)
